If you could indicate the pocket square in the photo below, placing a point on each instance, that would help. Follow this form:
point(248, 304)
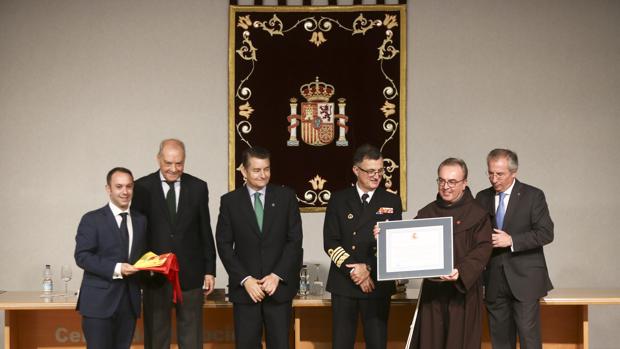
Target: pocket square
point(385, 210)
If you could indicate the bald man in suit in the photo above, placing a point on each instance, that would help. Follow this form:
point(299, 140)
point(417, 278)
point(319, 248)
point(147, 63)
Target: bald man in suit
point(176, 205)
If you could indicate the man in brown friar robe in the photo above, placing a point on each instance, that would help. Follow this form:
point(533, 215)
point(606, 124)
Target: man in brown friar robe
point(450, 312)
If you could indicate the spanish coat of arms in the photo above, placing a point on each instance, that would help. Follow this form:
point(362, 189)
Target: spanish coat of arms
point(317, 116)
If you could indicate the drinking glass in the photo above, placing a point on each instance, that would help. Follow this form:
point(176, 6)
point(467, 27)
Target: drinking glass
point(65, 275)
point(303, 281)
point(317, 284)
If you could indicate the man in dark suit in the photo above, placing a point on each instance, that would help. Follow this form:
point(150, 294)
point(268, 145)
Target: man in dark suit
point(516, 276)
point(348, 240)
point(259, 239)
point(176, 205)
point(107, 241)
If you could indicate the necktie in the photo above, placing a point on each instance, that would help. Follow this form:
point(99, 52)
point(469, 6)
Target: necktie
point(365, 197)
point(124, 235)
point(258, 210)
point(501, 210)
point(171, 201)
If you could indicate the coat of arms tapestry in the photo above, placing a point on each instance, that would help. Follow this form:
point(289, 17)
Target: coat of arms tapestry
point(311, 84)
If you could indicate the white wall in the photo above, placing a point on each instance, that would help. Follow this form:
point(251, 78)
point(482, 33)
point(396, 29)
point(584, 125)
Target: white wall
point(88, 85)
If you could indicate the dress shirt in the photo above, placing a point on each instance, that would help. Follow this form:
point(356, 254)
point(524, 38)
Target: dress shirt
point(360, 192)
point(166, 187)
point(262, 195)
point(116, 211)
point(507, 193)
point(251, 192)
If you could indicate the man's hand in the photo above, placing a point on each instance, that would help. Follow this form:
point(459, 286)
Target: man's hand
point(501, 239)
point(452, 277)
point(128, 269)
point(253, 288)
point(359, 273)
point(367, 285)
point(375, 230)
point(209, 284)
point(269, 283)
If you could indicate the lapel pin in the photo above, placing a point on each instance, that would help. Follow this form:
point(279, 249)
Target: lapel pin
point(458, 222)
point(273, 204)
point(350, 216)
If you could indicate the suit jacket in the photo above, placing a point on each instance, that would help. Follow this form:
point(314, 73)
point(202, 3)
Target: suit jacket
point(348, 238)
point(246, 251)
point(98, 248)
point(528, 222)
point(190, 237)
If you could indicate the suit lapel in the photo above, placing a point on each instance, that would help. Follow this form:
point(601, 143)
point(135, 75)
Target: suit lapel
point(137, 230)
point(183, 197)
point(269, 208)
point(355, 207)
point(490, 205)
point(160, 198)
point(112, 224)
point(247, 210)
point(370, 212)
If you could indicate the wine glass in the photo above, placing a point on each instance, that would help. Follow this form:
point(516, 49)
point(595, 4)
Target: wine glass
point(65, 275)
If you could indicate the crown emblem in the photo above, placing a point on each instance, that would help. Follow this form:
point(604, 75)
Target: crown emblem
point(317, 91)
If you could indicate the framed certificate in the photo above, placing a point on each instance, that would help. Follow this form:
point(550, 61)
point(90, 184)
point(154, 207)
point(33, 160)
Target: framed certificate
point(413, 249)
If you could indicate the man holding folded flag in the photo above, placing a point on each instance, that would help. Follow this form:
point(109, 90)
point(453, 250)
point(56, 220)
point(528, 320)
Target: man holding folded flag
point(176, 205)
point(107, 241)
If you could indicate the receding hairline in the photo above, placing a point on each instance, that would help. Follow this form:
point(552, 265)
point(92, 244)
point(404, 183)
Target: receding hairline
point(510, 156)
point(455, 162)
point(170, 142)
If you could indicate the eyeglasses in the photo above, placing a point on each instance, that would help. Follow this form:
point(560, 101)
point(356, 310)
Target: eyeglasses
point(498, 175)
point(371, 173)
point(451, 183)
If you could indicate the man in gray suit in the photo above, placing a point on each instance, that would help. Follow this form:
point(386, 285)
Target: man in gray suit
point(516, 276)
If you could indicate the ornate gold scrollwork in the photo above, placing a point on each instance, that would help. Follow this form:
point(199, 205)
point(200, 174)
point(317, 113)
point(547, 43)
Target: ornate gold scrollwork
point(388, 109)
point(246, 110)
point(361, 25)
point(244, 22)
point(243, 128)
point(247, 51)
point(274, 26)
point(317, 38)
point(317, 194)
point(390, 21)
point(389, 173)
point(390, 126)
point(387, 50)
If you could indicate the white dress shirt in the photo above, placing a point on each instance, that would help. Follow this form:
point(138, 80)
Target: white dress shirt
point(262, 192)
point(507, 193)
point(166, 187)
point(360, 192)
point(116, 211)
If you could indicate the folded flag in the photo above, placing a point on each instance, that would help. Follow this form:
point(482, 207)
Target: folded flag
point(164, 264)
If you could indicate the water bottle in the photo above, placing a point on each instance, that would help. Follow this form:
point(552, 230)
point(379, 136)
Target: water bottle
point(303, 281)
point(48, 283)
